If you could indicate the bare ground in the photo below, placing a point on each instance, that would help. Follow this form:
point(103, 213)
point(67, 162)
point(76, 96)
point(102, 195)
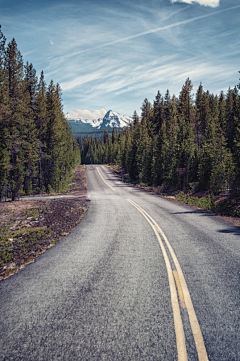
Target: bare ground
point(29, 227)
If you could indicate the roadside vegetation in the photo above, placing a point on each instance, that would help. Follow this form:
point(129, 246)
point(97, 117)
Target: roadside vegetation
point(189, 143)
point(30, 227)
point(223, 204)
point(38, 156)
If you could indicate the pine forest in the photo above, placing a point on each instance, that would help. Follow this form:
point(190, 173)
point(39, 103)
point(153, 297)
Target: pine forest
point(37, 148)
point(185, 142)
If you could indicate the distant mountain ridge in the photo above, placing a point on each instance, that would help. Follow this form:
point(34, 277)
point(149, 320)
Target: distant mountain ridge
point(81, 120)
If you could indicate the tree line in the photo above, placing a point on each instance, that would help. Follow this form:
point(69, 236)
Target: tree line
point(37, 149)
point(197, 136)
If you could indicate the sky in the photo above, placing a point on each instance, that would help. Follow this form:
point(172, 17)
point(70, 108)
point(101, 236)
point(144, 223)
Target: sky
point(113, 54)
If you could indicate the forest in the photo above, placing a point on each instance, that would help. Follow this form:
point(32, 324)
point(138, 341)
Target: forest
point(37, 148)
point(190, 142)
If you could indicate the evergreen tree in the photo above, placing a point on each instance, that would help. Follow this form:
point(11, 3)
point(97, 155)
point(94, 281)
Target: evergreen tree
point(4, 110)
point(36, 143)
point(15, 85)
point(215, 163)
point(29, 133)
point(235, 181)
point(186, 110)
point(230, 113)
point(158, 112)
point(131, 161)
point(186, 136)
point(222, 112)
point(41, 124)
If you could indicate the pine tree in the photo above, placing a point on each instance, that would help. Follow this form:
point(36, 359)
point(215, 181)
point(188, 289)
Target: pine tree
point(29, 133)
point(186, 136)
point(4, 131)
point(215, 164)
point(144, 155)
point(131, 157)
point(230, 113)
point(36, 143)
point(41, 124)
point(186, 110)
point(235, 182)
point(222, 112)
point(58, 133)
point(15, 84)
point(158, 112)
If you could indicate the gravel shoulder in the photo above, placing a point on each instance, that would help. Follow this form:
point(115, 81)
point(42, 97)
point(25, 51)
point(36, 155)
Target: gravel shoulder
point(30, 226)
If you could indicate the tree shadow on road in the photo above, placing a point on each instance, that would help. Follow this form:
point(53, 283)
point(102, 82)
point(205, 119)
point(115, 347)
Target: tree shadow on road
point(196, 211)
point(233, 230)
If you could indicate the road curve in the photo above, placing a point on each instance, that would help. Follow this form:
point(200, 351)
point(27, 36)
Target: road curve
point(140, 278)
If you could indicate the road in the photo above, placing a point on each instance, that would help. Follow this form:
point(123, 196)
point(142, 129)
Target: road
point(140, 278)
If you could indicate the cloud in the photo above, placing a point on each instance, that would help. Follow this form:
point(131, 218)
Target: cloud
point(170, 75)
point(212, 3)
point(51, 42)
point(87, 114)
point(80, 80)
point(156, 30)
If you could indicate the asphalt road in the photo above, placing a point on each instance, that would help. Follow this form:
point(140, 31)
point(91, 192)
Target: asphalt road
point(140, 278)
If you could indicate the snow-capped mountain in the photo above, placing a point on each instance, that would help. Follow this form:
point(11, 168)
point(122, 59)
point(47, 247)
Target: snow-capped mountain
point(114, 119)
point(84, 120)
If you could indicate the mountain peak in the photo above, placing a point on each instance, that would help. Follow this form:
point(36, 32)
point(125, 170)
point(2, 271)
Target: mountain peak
point(114, 119)
point(98, 119)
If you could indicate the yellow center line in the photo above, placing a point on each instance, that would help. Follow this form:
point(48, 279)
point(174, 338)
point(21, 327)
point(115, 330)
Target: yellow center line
point(180, 291)
point(179, 331)
point(104, 180)
point(197, 334)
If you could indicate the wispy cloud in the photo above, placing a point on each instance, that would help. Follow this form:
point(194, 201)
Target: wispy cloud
point(113, 54)
point(212, 3)
point(227, 33)
point(151, 31)
point(155, 76)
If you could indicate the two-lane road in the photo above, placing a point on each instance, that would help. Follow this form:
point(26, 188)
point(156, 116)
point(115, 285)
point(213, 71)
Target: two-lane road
point(140, 278)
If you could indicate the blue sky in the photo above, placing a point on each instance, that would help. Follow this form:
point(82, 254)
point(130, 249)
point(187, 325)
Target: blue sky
point(113, 54)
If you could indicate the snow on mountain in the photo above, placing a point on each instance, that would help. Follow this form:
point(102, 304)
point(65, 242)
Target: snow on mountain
point(98, 119)
point(114, 119)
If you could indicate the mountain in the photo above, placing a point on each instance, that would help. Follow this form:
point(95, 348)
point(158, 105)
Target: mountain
point(86, 121)
point(114, 119)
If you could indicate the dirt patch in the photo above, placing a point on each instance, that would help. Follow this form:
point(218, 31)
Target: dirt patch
point(29, 227)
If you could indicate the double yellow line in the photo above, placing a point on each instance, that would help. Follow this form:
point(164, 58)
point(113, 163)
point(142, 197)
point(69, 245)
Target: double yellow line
point(183, 292)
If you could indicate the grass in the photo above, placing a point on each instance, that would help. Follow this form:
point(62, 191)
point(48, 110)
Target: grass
point(203, 202)
point(226, 206)
point(28, 230)
point(19, 243)
point(34, 212)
